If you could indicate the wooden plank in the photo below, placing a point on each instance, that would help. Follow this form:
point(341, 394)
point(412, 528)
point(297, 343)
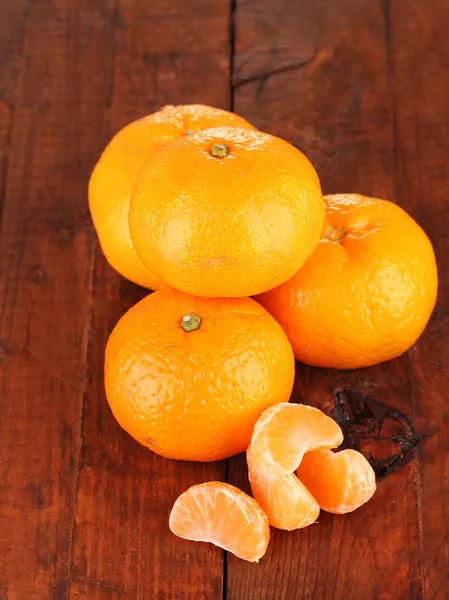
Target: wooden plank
point(419, 47)
point(13, 17)
point(46, 260)
point(164, 52)
point(318, 74)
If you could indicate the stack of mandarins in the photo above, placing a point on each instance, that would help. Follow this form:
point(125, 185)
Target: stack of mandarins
point(195, 203)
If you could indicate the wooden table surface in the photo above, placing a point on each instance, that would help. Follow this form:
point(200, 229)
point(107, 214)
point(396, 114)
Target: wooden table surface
point(362, 87)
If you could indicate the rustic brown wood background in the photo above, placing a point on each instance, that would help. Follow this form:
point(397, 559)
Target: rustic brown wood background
point(362, 86)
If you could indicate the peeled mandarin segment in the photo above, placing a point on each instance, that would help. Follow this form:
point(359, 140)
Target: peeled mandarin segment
point(223, 515)
point(341, 482)
point(285, 500)
point(285, 432)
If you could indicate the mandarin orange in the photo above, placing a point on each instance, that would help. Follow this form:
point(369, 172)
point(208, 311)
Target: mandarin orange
point(116, 171)
point(226, 212)
point(188, 377)
point(366, 293)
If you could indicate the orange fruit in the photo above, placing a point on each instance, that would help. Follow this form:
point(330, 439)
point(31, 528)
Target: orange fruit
point(188, 377)
point(340, 482)
point(226, 212)
point(366, 293)
point(284, 499)
point(223, 515)
point(285, 432)
point(117, 169)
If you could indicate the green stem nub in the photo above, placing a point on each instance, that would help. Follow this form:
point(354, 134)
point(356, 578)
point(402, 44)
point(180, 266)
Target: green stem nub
point(190, 322)
point(219, 150)
point(188, 132)
point(335, 234)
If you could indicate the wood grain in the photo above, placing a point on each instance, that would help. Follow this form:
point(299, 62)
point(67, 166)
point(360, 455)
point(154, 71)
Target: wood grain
point(46, 255)
point(326, 76)
point(419, 46)
point(164, 52)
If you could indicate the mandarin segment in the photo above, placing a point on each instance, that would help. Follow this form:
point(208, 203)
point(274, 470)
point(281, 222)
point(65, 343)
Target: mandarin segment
point(285, 432)
point(366, 293)
point(188, 377)
point(286, 501)
point(226, 212)
point(223, 515)
point(116, 171)
point(341, 482)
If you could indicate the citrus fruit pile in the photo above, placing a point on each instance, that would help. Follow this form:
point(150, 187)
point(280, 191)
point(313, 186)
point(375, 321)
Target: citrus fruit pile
point(197, 204)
